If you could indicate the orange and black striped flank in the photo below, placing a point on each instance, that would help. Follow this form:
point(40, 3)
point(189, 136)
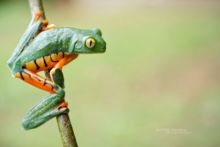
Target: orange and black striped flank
point(37, 66)
point(45, 62)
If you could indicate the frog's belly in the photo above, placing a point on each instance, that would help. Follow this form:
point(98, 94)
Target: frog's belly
point(45, 62)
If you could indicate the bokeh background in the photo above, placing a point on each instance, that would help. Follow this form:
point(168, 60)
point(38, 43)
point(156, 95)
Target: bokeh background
point(157, 85)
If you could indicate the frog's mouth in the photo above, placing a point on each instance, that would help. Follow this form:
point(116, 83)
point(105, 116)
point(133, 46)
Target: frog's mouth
point(91, 51)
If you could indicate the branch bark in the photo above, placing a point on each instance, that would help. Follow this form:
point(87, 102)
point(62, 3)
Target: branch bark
point(63, 121)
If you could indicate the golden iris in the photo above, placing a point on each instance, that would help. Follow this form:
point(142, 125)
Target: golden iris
point(90, 42)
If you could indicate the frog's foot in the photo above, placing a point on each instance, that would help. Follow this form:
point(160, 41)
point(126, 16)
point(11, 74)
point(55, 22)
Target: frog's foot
point(63, 105)
point(62, 108)
point(47, 27)
point(51, 26)
point(45, 23)
point(37, 15)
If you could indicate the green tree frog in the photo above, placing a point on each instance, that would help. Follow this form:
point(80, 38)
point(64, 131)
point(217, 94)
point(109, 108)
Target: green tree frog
point(43, 47)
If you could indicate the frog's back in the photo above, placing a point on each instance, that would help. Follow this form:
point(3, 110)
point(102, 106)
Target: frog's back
point(47, 43)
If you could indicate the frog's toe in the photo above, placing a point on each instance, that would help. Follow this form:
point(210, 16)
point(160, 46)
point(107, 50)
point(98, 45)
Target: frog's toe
point(37, 15)
point(51, 26)
point(62, 108)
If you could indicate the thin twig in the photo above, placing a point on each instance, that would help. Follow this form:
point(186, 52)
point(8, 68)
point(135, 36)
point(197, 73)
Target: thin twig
point(63, 121)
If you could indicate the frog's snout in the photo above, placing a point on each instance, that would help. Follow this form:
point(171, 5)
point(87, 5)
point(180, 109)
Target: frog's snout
point(103, 46)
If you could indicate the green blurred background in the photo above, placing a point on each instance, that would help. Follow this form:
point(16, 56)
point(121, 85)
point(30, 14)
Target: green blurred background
point(157, 85)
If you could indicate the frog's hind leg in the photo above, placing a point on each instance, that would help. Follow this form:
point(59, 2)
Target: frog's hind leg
point(36, 80)
point(49, 107)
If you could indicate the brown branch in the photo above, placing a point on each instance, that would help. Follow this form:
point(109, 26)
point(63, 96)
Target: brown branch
point(63, 121)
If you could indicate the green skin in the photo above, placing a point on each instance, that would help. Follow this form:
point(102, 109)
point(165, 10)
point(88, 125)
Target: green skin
point(33, 46)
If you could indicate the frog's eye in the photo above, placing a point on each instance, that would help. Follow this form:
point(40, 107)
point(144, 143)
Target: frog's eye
point(90, 42)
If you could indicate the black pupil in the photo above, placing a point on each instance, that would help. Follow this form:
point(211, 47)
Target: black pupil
point(90, 43)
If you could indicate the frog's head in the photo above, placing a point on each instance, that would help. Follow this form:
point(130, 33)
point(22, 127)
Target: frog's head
point(89, 41)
